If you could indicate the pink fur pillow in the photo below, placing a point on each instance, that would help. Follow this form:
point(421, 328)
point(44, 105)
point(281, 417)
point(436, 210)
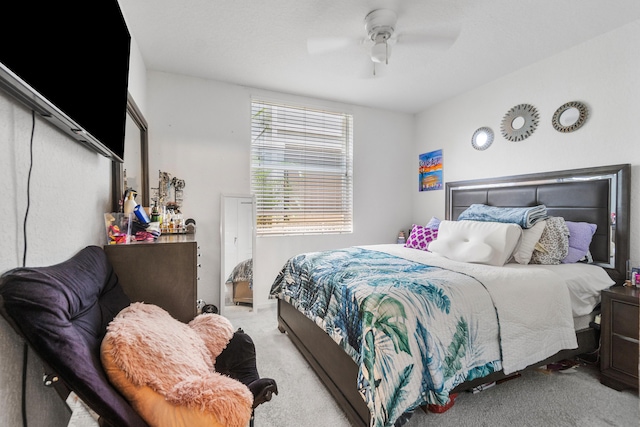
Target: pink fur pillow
point(177, 361)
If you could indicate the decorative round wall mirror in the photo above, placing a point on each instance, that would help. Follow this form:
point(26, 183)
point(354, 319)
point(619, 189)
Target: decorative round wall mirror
point(519, 122)
point(482, 138)
point(570, 116)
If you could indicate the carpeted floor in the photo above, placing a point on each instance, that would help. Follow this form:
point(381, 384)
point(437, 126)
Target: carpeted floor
point(538, 398)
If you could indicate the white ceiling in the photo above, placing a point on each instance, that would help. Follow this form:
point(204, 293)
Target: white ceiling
point(263, 43)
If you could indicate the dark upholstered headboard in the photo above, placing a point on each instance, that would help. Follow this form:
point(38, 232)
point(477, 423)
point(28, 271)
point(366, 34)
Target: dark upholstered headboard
point(597, 195)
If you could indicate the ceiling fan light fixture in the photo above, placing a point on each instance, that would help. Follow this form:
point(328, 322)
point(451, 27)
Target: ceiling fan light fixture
point(380, 52)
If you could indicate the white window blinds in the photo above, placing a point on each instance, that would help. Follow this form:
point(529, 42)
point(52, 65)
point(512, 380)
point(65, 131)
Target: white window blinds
point(301, 169)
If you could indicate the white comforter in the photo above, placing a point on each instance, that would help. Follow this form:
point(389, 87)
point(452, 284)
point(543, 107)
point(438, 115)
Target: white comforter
point(532, 303)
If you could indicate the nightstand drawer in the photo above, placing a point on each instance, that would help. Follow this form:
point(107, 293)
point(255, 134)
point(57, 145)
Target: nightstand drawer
point(624, 318)
point(625, 357)
point(619, 337)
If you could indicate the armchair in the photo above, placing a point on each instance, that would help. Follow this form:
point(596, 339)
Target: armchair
point(63, 311)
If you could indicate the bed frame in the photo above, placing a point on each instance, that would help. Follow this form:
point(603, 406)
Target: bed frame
point(597, 195)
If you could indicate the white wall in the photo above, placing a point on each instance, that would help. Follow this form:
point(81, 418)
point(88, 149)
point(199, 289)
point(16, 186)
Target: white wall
point(137, 77)
point(69, 183)
point(602, 72)
point(199, 131)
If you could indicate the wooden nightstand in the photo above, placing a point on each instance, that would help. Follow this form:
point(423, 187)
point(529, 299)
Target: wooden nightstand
point(619, 366)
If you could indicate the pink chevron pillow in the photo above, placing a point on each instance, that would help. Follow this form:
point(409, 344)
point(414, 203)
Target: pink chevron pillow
point(420, 237)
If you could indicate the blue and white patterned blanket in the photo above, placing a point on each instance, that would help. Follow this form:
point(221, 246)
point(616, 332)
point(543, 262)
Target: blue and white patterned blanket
point(243, 272)
point(525, 217)
point(415, 331)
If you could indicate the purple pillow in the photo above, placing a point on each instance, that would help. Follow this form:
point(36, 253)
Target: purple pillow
point(580, 235)
point(420, 237)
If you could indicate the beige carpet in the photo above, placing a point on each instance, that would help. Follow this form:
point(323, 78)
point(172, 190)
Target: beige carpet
point(537, 398)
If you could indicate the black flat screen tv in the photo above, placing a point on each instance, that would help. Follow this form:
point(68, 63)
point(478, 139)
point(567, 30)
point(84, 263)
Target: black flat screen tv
point(69, 61)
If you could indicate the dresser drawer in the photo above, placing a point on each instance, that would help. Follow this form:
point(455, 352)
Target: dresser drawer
point(624, 319)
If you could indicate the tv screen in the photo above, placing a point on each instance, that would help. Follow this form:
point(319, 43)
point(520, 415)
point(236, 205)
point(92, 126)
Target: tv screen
point(69, 61)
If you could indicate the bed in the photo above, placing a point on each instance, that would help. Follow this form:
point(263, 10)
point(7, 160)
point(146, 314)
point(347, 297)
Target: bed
point(367, 391)
point(241, 280)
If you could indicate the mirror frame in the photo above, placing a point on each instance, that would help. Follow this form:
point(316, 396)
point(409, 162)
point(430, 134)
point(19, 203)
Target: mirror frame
point(474, 139)
point(223, 277)
point(583, 112)
point(531, 117)
point(117, 168)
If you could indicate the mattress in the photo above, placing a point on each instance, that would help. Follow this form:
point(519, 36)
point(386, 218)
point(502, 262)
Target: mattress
point(582, 322)
point(585, 282)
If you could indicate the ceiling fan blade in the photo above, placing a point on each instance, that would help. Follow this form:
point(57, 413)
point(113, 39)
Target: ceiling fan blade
point(321, 45)
point(440, 40)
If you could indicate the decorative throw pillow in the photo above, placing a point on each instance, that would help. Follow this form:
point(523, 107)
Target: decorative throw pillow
point(420, 237)
point(530, 236)
point(165, 368)
point(479, 242)
point(553, 245)
point(433, 223)
point(580, 235)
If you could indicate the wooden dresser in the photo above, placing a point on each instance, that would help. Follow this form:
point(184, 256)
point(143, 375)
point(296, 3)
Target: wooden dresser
point(619, 365)
point(164, 273)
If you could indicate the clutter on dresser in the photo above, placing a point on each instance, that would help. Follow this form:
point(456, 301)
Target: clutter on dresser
point(137, 223)
point(118, 227)
point(167, 204)
point(132, 224)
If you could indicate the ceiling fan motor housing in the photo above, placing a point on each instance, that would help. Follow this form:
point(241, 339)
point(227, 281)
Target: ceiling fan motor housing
point(380, 24)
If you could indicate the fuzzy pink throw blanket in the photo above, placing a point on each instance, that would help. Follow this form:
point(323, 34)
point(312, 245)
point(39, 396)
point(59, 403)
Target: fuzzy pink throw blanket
point(177, 360)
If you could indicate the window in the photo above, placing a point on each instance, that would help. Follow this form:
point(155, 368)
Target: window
point(301, 169)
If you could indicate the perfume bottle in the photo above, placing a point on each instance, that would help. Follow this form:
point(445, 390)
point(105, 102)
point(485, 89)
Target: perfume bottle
point(155, 213)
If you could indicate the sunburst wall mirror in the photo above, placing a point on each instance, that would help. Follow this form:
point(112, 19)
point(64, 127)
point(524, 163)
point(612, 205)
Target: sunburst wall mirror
point(520, 122)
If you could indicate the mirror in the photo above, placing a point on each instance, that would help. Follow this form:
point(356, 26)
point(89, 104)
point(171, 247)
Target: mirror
point(237, 243)
point(519, 122)
point(136, 159)
point(570, 116)
point(482, 138)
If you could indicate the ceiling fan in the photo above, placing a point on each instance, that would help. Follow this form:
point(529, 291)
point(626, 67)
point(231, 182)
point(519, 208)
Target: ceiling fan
point(380, 25)
point(380, 36)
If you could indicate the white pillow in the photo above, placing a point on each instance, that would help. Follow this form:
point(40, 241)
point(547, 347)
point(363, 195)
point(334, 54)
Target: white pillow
point(530, 237)
point(476, 241)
